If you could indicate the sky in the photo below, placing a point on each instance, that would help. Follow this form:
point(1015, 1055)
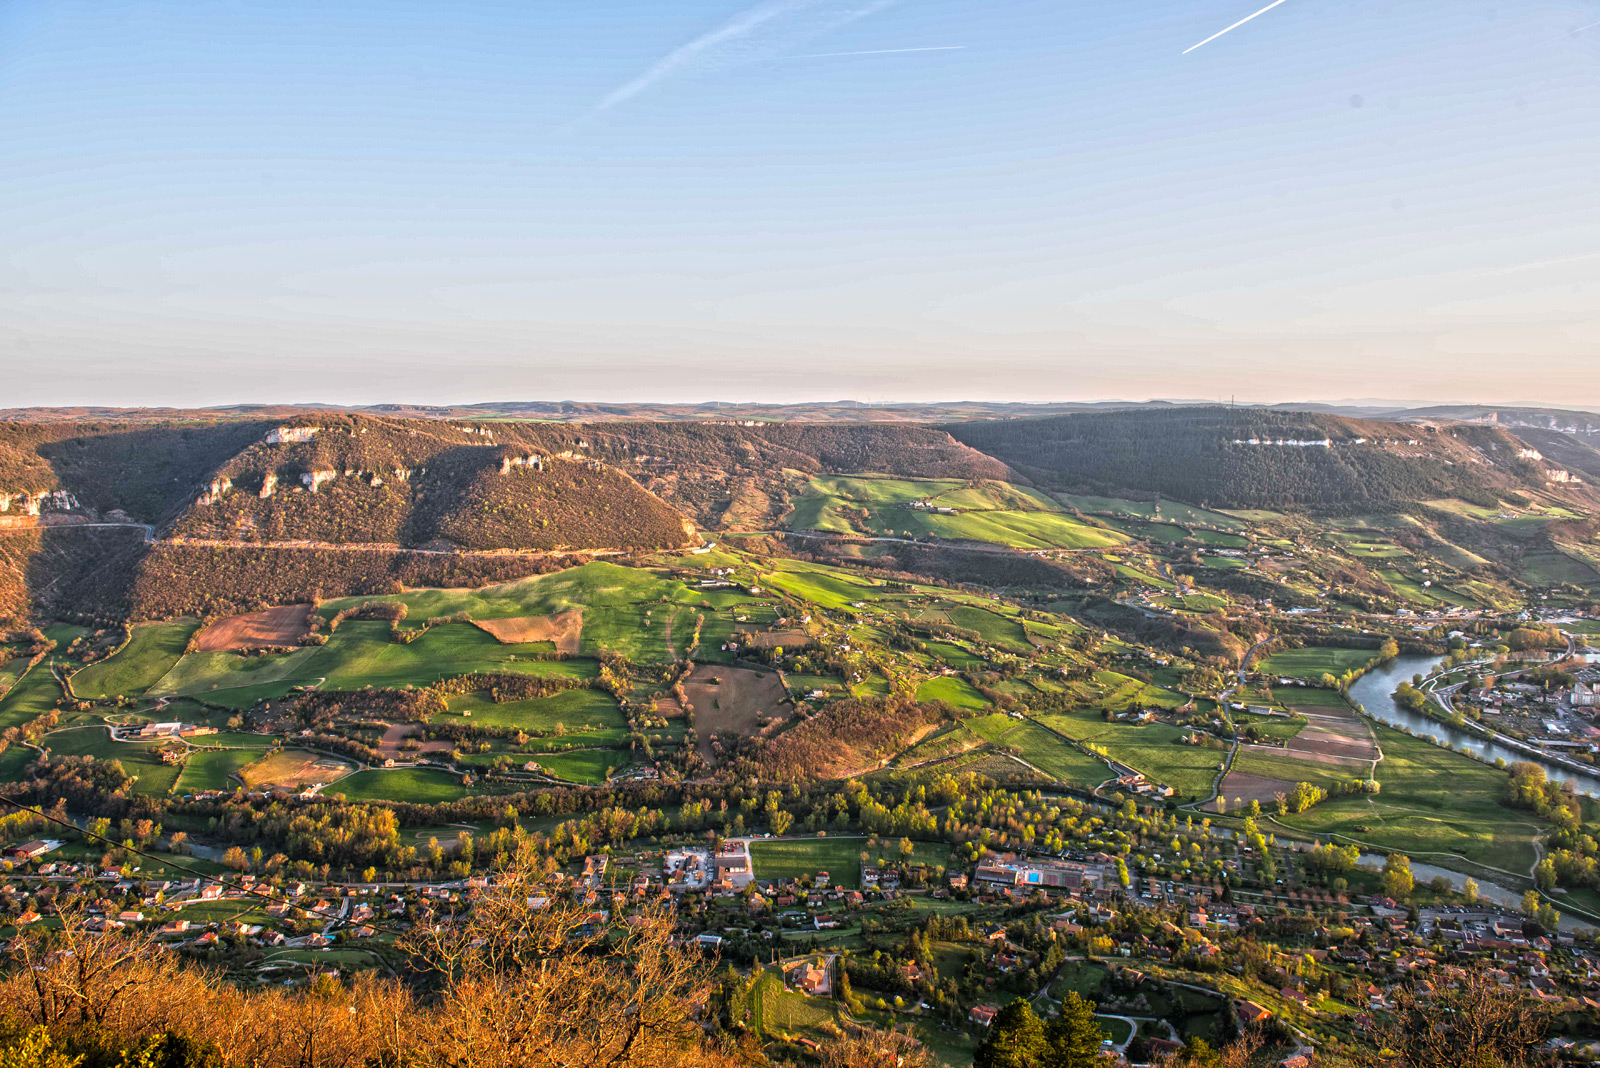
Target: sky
point(787, 200)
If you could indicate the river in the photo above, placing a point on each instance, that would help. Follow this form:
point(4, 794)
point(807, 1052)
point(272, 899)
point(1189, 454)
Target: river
point(1373, 693)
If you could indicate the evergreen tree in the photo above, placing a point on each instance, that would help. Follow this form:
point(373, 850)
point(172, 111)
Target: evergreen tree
point(1073, 1040)
point(1015, 1040)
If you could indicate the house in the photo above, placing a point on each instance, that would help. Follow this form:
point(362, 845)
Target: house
point(813, 978)
point(1250, 1013)
point(27, 850)
point(983, 1015)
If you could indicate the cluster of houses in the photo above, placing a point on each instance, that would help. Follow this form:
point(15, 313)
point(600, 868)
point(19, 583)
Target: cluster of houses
point(159, 731)
point(1556, 718)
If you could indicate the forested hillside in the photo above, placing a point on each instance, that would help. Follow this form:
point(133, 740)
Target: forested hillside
point(1256, 458)
point(380, 482)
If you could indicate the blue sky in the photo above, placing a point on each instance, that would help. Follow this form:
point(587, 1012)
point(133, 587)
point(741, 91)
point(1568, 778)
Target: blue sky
point(685, 200)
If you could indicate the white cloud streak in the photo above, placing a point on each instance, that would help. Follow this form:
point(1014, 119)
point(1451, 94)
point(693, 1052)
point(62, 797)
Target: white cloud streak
point(880, 52)
point(772, 23)
point(1235, 26)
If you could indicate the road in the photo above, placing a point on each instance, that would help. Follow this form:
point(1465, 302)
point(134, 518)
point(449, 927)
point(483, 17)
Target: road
point(1222, 701)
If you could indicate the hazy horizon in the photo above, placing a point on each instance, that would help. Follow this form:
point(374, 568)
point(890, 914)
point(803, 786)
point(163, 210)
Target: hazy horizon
point(894, 200)
point(951, 402)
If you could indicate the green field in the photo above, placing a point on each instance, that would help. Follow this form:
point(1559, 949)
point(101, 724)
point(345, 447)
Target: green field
point(825, 586)
point(990, 512)
point(422, 786)
point(33, 695)
point(1308, 697)
point(11, 668)
point(594, 585)
point(1271, 727)
point(151, 652)
point(566, 712)
point(209, 769)
point(1040, 748)
point(1152, 748)
point(1172, 511)
point(360, 653)
point(14, 760)
point(953, 690)
point(625, 609)
point(203, 673)
point(587, 766)
point(1432, 800)
point(155, 776)
point(990, 626)
point(1313, 662)
point(793, 857)
point(779, 1012)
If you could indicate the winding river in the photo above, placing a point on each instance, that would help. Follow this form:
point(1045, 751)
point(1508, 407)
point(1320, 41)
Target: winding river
point(1373, 692)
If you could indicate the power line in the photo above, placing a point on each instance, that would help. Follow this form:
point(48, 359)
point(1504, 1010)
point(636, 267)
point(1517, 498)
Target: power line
point(165, 862)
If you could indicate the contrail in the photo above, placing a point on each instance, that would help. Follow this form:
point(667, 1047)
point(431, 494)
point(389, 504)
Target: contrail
point(1558, 261)
point(1235, 26)
point(748, 30)
point(879, 52)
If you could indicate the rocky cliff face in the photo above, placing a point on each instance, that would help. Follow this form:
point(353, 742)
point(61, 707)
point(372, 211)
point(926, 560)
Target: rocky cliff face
point(373, 481)
point(37, 502)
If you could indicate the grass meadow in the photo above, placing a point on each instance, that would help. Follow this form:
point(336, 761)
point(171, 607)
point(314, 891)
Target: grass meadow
point(152, 651)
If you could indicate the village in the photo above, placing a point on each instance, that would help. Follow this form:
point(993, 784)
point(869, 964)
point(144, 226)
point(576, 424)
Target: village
point(1161, 954)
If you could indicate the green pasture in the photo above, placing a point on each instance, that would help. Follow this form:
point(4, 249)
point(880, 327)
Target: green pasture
point(209, 769)
point(203, 673)
point(1313, 662)
point(14, 761)
point(11, 668)
point(156, 777)
point(566, 711)
point(791, 858)
point(1155, 749)
point(1044, 750)
point(421, 786)
point(32, 696)
point(990, 512)
point(955, 656)
point(594, 585)
point(1431, 800)
point(1173, 511)
point(624, 608)
point(152, 650)
point(360, 653)
point(824, 586)
point(990, 626)
point(1272, 727)
point(586, 766)
point(1309, 697)
point(953, 690)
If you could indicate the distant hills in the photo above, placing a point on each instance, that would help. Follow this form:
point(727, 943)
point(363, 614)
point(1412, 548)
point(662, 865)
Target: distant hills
point(1264, 458)
point(232, 508)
